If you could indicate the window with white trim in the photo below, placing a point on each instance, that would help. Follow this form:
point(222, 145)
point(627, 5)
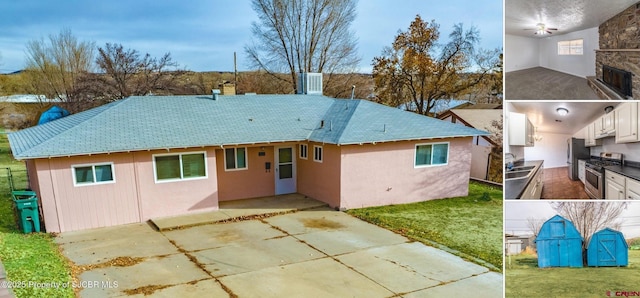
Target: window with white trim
point(93, 174)
point(303, 151)
point(235, 159)
point(317, 153)
point(431, 154)
point(182, 166)
point(570, 47)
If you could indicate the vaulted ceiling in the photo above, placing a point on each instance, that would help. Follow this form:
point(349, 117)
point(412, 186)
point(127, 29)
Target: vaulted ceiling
point(567, 16)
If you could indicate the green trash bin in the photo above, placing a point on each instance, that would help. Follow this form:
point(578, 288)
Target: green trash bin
point(26, 203)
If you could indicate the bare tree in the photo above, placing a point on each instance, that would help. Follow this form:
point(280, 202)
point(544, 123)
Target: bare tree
point(127, 73)
point(590, 217)
point(303, 36)
point(412, 73)
point(534, 225)
point(54, 65)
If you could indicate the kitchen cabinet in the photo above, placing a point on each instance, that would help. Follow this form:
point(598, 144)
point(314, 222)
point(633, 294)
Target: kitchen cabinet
point(590, 138)
point(633, 189)
point(521, 130)
point(626, 123)
point(534, 189)
point(608, 123)
point(581, 169)
point(605, 126)
point(614, 186)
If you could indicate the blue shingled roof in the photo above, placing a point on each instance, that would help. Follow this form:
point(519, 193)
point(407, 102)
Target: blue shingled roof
point(163, 122)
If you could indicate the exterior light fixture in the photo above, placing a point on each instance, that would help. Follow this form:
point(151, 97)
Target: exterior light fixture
point(562, 111)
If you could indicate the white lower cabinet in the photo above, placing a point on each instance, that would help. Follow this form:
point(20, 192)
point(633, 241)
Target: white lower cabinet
point(618, 187)
point(633, 189)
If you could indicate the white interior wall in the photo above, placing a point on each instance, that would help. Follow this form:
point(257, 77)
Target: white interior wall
point(520, 53)
point(630, 151)
point(524, 52)
point(577, 65)
point(552, 149)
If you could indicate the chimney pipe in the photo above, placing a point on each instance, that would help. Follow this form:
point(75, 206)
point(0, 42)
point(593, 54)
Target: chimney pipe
point(215, 93)
point(353, 91)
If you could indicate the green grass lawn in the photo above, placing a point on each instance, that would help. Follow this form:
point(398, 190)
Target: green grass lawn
point(32, 258)
point(471, 225)
point(525, 279)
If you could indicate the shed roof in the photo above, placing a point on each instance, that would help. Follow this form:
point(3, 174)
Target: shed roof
point(558, 227)
point(163, 122)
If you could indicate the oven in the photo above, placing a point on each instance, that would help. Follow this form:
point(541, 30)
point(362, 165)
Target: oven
point(593, 183)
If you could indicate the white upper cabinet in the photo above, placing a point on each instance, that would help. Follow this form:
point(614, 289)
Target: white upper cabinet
point(626, 122)
point(521, 130)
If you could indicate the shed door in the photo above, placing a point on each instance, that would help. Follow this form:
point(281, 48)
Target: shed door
point(285, 170)
point(606, 250)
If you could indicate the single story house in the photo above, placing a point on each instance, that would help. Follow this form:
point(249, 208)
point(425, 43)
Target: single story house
point(155, 156)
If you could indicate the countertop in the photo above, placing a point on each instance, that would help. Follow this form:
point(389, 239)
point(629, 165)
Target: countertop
point(513, 189)
point(628, 171)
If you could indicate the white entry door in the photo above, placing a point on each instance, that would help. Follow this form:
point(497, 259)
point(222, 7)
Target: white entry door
point(285, 170)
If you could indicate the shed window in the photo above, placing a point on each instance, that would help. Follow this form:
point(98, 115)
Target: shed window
point(317, 153)
point(235, 158)
point(303, 151)
point(93, 174)
point(180, 166)
point(431, 154)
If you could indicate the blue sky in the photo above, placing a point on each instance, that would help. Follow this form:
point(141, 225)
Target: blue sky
point(203, 34)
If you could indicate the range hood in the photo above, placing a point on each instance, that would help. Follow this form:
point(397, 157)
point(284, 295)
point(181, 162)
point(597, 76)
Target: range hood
point(605, 134)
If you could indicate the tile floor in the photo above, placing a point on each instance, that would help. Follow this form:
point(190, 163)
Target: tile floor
point(557, 185)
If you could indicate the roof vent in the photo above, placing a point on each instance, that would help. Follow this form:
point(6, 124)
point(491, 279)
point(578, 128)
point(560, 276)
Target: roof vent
point(310, 83)
point(215, 93)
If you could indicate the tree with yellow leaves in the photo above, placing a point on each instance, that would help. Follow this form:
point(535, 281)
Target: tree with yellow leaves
point(416, 71)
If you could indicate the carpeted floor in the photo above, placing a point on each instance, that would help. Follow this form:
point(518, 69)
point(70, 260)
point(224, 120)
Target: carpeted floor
point(544, 83)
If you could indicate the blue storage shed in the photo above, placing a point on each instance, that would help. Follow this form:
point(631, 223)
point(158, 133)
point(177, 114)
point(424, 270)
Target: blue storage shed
point(607, 248)
point(559, 244)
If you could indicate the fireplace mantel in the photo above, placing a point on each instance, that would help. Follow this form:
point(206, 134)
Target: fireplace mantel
point(618, 50)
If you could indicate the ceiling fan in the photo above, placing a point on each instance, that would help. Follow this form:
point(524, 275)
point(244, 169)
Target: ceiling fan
point(542, 29)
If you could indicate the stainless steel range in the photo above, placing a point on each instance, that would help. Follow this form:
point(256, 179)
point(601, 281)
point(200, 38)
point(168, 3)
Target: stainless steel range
point(594, 173)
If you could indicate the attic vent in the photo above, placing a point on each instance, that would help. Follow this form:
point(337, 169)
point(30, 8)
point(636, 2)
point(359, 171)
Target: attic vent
point(310, 83)
point(215, 93)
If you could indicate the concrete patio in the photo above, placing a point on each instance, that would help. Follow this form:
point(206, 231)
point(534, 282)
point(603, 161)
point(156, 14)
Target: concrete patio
point(316, 252)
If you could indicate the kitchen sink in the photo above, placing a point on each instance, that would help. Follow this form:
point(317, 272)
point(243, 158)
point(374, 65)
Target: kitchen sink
point(517, 175)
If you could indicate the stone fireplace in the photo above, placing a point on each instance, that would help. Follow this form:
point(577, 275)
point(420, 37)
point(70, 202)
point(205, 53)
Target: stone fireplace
point(618, 59)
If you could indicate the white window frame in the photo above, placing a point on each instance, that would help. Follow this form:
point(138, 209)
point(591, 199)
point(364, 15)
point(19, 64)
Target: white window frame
point(315, 155)
point(93, 170)
point(180, 154)
point(569, 49)
point(415, 153)
point(235, 156)
point(305, 151)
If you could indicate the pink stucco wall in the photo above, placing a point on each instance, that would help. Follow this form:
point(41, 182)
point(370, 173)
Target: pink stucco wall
point(383, 174)
point(253, 182)
point(134, 197)
point(67, 207)
point(177, 197)
point(321, 181)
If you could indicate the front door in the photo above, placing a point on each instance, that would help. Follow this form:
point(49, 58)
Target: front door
point(285, 170)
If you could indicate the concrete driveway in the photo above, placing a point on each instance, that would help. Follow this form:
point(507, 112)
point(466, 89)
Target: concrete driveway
point(312, 253)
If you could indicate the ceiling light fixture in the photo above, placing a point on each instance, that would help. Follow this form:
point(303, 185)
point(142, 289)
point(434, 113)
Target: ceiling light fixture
point(562, 111)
